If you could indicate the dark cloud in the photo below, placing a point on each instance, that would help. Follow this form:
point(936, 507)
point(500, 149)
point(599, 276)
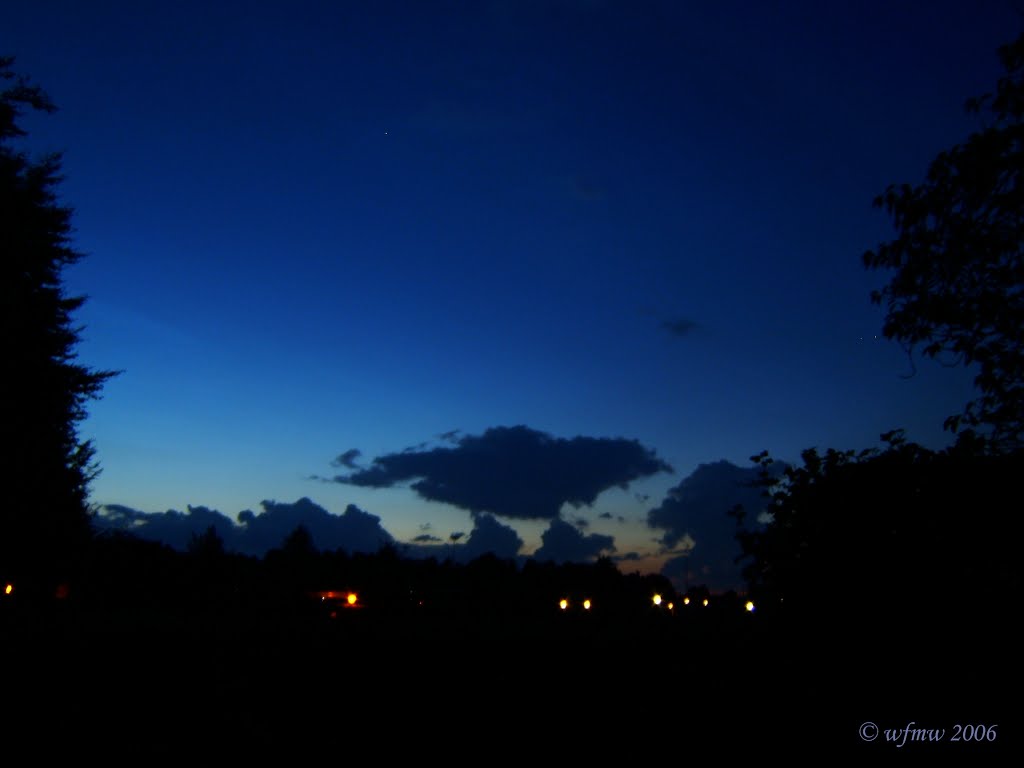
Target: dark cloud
point(626, 557)
point(348, 459)
point(685, 571)
point(605, 516)
point(581, 522)
point(488, 535)
point(562, 542)
point(514, 472)
point(353, 531)
point(172, 527)
point(255, 533)
point(679, 327)
point(677, 568)
point(697, 527)
point(451, 436)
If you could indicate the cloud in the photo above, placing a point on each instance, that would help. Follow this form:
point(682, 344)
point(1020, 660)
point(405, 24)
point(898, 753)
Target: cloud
point(679, 327)
point(697, 527)
point(172, 527)
point(684, 572)
point(354, 530)
point(563, 542)
point(488, 535)
point(605, 516)
point(348, 459)
point(514, 472)
point(255, 533)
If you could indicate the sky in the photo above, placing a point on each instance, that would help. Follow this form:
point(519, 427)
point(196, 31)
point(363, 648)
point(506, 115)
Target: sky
point(542, 274)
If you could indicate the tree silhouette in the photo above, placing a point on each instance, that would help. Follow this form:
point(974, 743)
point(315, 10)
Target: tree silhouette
point(958, 288)
point(44, 521)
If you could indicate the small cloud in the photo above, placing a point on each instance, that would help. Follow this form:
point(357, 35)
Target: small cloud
point(581, 522)
point(679, 327)
point(605, 516)
point(562, 542)
point(348, 459)
point(425, 538)
point(490, 536)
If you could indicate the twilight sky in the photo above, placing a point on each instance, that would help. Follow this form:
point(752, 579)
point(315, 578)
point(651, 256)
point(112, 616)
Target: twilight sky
point(529, 271)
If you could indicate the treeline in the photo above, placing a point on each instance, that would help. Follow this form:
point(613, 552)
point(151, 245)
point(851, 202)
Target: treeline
point(122, 572)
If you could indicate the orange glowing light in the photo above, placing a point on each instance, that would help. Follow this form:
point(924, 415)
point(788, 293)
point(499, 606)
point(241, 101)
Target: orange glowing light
point(586, 605)
point(563, 603)
point(750, 605)
point(705, 602)
point(352, 598)
point(8, 589)
point(686, 601)
point(671, 606)
point(656, 599)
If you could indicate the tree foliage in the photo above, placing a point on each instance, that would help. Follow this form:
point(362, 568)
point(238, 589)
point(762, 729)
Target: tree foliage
point(44, 520)
point(896, 534)
point(958, 288)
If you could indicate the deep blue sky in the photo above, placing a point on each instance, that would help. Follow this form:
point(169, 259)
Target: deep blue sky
point(316, 227)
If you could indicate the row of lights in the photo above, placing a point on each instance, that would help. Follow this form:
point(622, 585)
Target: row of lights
point(657, 600)
point(564, 604)
point(352, 598)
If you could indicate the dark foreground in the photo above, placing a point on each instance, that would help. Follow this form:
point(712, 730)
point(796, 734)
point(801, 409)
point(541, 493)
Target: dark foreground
point(475, 686)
